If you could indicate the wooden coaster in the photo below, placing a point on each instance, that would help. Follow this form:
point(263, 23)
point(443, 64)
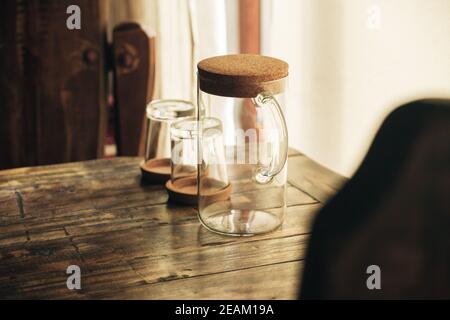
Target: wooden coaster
point(156, 171)
point(184, 191)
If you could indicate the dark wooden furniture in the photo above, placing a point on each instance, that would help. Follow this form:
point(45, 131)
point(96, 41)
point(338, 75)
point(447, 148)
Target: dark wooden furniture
point(130, 243)
point(54, 82)
point(134, 78)
point(394, 213)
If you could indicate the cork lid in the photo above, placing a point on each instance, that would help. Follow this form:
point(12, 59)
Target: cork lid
point(242, 75)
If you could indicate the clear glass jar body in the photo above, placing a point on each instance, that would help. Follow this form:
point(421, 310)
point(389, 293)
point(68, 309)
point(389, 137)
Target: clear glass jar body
point(254, 150)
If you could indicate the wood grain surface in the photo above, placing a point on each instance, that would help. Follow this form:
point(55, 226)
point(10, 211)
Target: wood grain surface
point(131, 244)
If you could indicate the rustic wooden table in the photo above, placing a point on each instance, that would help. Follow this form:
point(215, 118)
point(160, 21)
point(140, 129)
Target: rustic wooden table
point(131, 244)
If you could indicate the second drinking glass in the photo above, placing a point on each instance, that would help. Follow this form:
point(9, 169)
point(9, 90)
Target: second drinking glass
point(183, 186)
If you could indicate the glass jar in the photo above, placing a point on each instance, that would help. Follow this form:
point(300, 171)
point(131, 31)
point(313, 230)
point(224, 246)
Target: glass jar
point(246, 92)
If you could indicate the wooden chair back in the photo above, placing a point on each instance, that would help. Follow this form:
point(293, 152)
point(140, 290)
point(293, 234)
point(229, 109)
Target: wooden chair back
point(54, 82)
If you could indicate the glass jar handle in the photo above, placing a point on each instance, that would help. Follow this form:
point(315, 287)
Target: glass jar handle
point(265, 174)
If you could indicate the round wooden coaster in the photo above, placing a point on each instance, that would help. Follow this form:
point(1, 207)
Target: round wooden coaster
point(184, 191)
point(156, 171)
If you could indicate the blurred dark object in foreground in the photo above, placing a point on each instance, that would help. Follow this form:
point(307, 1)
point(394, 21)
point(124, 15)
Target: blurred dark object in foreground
point(394, 213)
point(53, 84)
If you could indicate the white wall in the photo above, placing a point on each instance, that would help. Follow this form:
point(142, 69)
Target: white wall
point(348, 69)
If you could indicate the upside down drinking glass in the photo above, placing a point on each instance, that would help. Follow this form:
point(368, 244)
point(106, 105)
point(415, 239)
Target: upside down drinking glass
point(182, 186)
point(160, 115)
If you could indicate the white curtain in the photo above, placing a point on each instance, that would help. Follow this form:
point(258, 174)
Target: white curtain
point(352, 62)
point(187, 31)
